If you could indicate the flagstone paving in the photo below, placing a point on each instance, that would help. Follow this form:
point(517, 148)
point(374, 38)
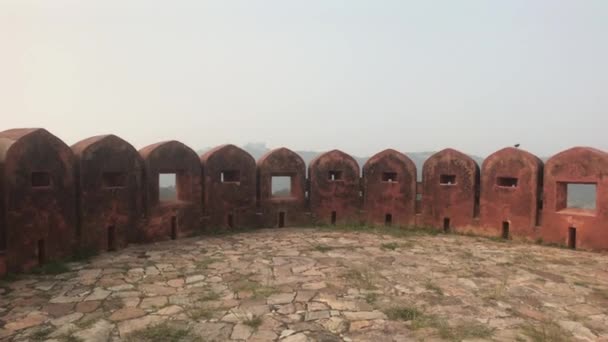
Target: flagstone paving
point(316, 285)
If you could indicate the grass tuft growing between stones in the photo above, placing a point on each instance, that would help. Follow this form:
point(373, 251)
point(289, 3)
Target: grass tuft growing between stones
point(257, 289)
point(41, 334)
point(361, 278)
point(162, 333)
point(402, 313)
point(391, 245)
point(70, 338)
point(429, 285)
point(254, 321)
point(419, 320)
point(322, 248)
point(198, 314)
point(546, 332)
point(371, 297)
point(204, 263)
point(208, 296)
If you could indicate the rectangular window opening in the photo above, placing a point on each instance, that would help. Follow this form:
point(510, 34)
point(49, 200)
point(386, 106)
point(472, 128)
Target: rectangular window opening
point(388, 220)
point(572, 237)
point(506, 182)
point(505, 230)
point(41, 252)
point(111, 238)
point(173, 227)
point(447, 179)
point(281, 186)
point(446, 225)
point(167, 187)
point(41, 179)
point(578, 196)
point(335, 175)
point(333, 217)
point(389, 177)
point(281, 219)
point(114, 179)
point(230, 176)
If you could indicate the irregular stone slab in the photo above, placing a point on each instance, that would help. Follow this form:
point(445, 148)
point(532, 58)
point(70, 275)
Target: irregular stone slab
point(98, 332)
point(176, 282)
point(65, 299)
point(73, 317)
point(578, 330)
point(58, 310)
point(127, 327)
point(123, 287)
point(46, 285)
point(281, 298)
point(314, 286)
point(126, 313)
point(263, 336)
point(98, 294)
point(335, 325)
point(31, 320)
point(212, 331)
point(299, 337)
point(287, 332)
point(305, 296)
point(195, 279)
point(86, 307)
point(336, 304)
point(241, 332)
point(358, 325)
point(157, 290)
point(315, 315)
point(152, 302)
point(363, 315)
point(170, 310)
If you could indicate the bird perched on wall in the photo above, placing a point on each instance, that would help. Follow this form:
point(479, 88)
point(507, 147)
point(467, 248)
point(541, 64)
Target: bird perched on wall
point(516, 145)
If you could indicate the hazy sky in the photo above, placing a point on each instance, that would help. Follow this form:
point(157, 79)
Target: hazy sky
point(310, 75)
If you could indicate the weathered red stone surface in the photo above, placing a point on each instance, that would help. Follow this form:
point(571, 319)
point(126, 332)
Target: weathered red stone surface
point(389, 189)
point(577, 228)
point(175, 218)
point(38, 202)
point(3, 266)
point(334, 188)
point(229, 175)
point(109, 175)
point(511, 191)
point(450, 180)
point(289, 209)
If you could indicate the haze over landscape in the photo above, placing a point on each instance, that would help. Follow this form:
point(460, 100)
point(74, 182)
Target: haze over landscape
point(359, 76)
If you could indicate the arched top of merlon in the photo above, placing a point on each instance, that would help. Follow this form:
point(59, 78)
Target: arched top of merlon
point(450, 153)
point(281, 152)
point(579, 155)
point(149, 150)
point(82, 147)
point(226, 148)
point(12, 137)
point(390, 153)
point(334, 155)
point(512, 153)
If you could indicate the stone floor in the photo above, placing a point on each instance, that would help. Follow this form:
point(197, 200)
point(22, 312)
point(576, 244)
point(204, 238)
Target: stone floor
point(316, 285)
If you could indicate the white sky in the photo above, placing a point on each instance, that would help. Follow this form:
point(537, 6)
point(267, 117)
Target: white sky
point(361, 76)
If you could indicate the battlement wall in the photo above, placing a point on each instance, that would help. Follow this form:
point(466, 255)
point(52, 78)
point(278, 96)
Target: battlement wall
point(101, 194)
